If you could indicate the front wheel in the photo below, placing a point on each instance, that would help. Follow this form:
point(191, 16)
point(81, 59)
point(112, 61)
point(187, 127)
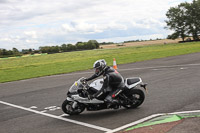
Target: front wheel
point(67, 108)
point(135, 98)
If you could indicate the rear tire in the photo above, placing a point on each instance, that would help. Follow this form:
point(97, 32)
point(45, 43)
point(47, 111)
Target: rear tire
point(137, 98)
point(67, 108)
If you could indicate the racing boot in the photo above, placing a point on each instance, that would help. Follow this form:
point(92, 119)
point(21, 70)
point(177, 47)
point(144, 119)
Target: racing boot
point(115, 104)
point(112, 104)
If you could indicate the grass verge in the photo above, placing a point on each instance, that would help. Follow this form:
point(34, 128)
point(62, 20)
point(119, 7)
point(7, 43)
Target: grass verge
point(36, 66)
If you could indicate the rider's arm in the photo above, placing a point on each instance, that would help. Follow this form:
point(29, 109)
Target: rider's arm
point(106, 82)
point(92, 77)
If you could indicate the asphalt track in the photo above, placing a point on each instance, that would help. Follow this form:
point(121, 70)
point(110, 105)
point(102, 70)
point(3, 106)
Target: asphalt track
point(33, 105)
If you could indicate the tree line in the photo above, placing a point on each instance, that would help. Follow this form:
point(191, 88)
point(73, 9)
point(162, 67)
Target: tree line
point(184, 20)
point(91, 44)
point(9, 53)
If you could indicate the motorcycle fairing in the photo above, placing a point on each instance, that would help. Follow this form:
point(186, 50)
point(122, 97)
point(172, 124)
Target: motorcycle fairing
point(83, 100)
point(97, 84)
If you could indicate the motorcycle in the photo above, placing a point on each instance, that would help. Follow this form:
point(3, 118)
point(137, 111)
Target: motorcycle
point(78, 96)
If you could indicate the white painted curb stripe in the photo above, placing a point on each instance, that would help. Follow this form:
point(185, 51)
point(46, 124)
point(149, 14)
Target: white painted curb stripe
point(148, 118)
point(184, 112)
point(134, 123)
point(57, 117)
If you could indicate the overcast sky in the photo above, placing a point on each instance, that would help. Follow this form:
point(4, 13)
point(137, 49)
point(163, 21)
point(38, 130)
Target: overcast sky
point(33, 23)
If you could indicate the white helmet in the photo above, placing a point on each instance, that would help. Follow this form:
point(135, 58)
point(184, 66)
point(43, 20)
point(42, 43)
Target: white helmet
point(99, 66)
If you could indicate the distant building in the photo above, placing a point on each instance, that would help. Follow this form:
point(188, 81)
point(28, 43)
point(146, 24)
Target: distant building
point(120, 44)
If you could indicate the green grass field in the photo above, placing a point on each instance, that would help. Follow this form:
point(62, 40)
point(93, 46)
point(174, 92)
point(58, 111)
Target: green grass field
point(37, 66)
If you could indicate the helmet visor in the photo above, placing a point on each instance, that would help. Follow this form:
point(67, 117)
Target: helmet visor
point(97, 71)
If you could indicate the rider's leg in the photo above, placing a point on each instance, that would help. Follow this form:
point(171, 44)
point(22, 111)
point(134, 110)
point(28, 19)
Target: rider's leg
point(110, 99)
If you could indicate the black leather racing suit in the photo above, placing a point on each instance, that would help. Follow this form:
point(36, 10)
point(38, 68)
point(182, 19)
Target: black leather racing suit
point(112, 85)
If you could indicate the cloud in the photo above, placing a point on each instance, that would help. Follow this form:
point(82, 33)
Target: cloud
point(30, 24)
point(81, 28)
point(91, 28)
point(31, 34)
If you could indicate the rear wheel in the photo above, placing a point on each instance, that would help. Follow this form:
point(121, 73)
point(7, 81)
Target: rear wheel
point(136, 98)
point(67, 107)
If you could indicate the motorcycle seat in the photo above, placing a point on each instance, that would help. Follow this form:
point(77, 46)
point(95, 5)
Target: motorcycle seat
point(132, 81)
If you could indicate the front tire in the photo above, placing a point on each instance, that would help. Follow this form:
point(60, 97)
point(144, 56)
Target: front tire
point(136, 98)
point(68, 109)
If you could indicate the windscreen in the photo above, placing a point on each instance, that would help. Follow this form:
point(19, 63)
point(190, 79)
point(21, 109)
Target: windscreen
point(77, 85)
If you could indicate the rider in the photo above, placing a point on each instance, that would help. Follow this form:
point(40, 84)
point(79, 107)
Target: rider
point(113, 82)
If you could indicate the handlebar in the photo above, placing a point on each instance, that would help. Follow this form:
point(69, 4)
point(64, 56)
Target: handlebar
point(84, 83)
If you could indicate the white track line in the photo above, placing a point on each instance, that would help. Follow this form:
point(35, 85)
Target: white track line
point(94, 126)
point(153, 67)
point(156, 67)
point(57, 117)
point(148, 118)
